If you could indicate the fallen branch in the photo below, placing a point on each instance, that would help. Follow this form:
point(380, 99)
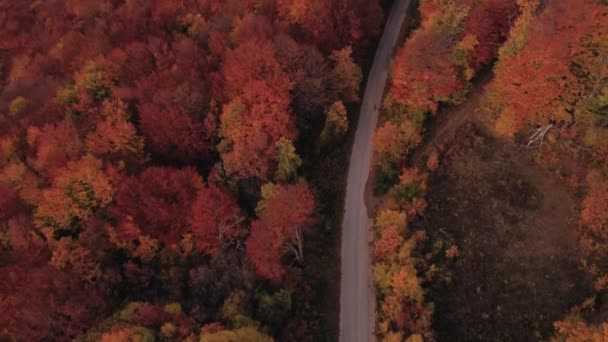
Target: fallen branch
point(538, 136)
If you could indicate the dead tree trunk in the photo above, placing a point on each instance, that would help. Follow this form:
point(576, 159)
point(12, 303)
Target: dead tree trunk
point(297, 248)
point(300, 243)
point(223, 226)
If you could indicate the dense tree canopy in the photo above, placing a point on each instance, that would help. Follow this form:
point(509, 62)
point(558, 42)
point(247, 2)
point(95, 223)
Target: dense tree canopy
point(158, 201)
point(455, 40)
point(134, 140)
point(551, 80)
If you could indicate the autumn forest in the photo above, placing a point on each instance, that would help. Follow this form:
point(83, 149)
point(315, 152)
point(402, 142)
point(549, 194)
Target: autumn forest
point(178, 170)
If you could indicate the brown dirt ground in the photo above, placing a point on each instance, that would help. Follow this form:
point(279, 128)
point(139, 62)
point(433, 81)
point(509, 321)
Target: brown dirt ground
point(518, 267)
point(448, 121)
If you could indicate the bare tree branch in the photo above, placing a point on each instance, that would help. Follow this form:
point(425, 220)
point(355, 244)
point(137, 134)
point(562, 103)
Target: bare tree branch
point(538, 137)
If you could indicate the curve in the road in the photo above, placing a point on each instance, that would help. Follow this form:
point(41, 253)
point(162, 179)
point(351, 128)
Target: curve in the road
point(357, 299)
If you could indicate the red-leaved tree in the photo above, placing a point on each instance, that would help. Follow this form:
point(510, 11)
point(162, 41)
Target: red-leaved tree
point(280, 228)
point(158, 201)
point(215, 219)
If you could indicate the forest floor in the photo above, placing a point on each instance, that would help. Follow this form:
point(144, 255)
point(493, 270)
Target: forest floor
point(518, 269)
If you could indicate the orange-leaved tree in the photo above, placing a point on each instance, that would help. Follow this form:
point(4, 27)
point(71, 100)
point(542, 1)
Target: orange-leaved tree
point(78, 190)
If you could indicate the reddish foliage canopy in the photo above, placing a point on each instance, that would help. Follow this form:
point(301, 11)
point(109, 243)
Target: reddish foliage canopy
point(158, 201)
point(424, 73)
point(289, 209)
point(44, 302)
point(489, 22)
point(110, 111)
point(215, 219)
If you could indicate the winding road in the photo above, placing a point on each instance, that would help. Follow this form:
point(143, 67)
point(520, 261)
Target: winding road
point(357, 299)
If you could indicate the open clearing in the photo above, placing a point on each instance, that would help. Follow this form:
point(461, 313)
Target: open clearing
point(518, 269)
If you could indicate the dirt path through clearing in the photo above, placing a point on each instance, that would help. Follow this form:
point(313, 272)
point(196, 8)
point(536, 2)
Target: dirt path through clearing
point(447, 122)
